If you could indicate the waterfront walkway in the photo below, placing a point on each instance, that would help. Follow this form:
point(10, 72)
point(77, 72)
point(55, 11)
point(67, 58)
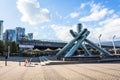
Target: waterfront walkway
point(35, 71)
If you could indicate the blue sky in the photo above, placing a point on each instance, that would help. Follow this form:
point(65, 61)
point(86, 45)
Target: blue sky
point(52, 19)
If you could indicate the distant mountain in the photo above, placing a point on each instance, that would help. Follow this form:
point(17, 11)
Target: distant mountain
point(117, 43)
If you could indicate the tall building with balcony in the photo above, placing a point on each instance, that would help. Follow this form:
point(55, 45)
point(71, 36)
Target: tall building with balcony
point(30, 36)
point(10, 35)
point(20, 33)
point(1, 29)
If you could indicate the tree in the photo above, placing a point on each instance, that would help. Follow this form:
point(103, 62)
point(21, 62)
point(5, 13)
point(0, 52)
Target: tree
point(14, 47)
point(2, 47)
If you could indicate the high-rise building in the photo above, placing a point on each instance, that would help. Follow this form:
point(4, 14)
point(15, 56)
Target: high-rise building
point(1, 29)
point(4, 37)
point(30, 36)
point(10, 35)
point(20, 33)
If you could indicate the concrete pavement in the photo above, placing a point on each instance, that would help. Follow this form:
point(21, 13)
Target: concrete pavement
point(35, 71)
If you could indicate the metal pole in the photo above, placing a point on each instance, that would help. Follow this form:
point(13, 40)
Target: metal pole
point(100, 42)
point(8, 51)
point(19, 59)
point(5, 62)
point(114, 44)
point(6, 57)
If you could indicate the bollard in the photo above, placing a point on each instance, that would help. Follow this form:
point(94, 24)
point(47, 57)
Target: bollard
point(19, 63)
point(6, 60)
point(63, 59)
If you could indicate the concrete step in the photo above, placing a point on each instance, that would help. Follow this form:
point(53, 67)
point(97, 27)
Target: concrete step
point(110, 60)
point(62, 62)
point(44, 60)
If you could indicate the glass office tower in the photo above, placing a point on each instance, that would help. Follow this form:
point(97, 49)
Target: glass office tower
point(10, 35)
point(1, 29)
point(20, 32)
point(30, 36)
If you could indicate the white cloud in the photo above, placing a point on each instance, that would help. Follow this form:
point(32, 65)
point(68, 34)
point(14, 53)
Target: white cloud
point(97, 12)
point(108, 22)
point(95, 7)
point(58, 15)
point(74, 14)
point(110, 27)
point(95, 16)
point(36, 34)
point(32, 12)
point(83, 5)
point(62, 32)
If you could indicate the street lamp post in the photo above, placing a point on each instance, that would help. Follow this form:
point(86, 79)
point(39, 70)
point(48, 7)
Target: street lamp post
point(100, 42)
point(8, 51)
point(114, 44)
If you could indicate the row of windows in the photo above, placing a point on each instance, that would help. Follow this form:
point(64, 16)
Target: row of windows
point(41, 43)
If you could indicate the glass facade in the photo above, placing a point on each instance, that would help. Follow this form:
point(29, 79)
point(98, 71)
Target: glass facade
point(20, 33)
point(1, 29)
point(10, 35)
point(4, 37)
point(30, 36)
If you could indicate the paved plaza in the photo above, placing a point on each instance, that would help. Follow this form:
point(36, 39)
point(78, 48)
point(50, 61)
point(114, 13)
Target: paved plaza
point(35, 71)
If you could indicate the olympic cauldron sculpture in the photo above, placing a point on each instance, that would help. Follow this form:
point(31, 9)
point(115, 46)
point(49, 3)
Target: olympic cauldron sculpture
point(79, 37)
